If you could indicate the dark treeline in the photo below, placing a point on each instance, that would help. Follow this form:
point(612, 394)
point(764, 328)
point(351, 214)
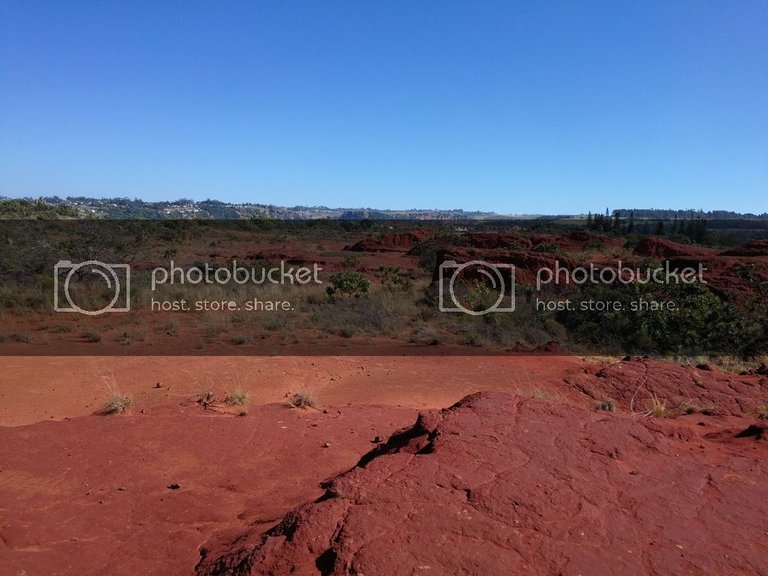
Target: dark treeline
point(693, 228)
point(663, 214)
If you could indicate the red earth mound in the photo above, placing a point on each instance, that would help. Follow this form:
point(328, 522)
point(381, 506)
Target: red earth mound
point(655, 247)
point(527, 263)
point(502, 485)
point(394, 241)
point(577, 240)
point(492, 240)
point(634, 384)
point(727, 273)
point(750, 249)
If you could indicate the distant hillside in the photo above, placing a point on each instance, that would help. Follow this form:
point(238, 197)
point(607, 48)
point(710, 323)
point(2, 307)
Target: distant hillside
point(124, 208)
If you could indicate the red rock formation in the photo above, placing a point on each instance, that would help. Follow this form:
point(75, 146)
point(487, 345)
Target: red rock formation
point(527, 263)
point(655, 247)
point(500, 485)
point(491, 240)
point(752, 248)
point(394, 241)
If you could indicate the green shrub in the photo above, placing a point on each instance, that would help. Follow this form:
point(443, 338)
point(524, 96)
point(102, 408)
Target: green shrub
point(348, 283)
point(392, 279)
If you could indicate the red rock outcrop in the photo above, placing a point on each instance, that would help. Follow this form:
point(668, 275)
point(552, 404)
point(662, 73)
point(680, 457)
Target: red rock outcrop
point(655, 247)
point(576, 240)
point(500, 485)
point(394, 241)
point(753, 248)
point(633, 384)
point(527, 263)
point(492, 240)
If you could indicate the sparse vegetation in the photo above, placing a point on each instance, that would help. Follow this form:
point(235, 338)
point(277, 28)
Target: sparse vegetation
point(425, 335)
point(605, 405)
point(118, 402)
point(349, 283)
point(126, 338)
point(392, 278)
point(762, 411)
point(690, 408)
point(397, 300)
point(237, 397)
point(302, 399)
point(92, 336)
point(658, 407)
point(15, 337)
point(205, 397)
point(170, 328)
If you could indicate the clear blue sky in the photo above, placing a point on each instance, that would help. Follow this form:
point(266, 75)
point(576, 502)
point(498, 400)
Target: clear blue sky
point(515, 107)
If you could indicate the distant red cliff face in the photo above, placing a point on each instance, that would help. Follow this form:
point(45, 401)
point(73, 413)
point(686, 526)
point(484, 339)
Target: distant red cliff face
point(752, 249)
point(734, 274)
point(655, 247)
point(393, 241)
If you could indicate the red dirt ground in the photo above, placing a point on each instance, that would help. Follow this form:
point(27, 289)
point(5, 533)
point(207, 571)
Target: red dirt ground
point(89, 494)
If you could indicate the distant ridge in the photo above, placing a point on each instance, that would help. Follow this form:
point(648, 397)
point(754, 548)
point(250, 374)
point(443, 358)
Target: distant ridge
point(183, 208)
point(125, 208)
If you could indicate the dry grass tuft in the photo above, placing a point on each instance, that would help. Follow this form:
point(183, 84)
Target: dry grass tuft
point(658, 407)
point(607, 405)
point(118, 403)
point(303, 399)
point(205, 397)
point(237, 397)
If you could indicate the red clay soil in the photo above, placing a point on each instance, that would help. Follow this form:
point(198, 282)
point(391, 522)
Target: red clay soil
point(500, 485)
point(53, 388)
point(140, 493)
